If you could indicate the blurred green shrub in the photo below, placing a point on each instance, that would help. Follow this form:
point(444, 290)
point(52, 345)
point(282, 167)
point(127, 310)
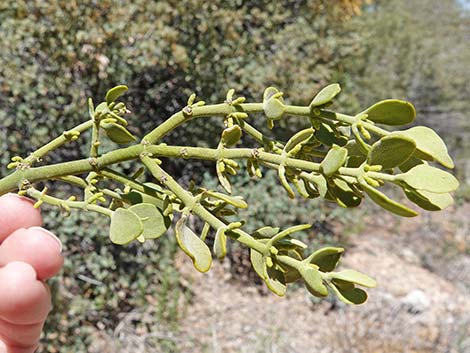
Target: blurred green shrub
point(57, 53)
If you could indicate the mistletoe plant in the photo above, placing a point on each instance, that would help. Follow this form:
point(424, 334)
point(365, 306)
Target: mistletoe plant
point(339, 157)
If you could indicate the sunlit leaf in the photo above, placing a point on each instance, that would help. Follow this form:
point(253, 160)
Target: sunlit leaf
point(391, 112)
point(326, 95)
point(356, 278)
point(231, 135)
point(220, 244)
point(334, 159)
point(115, 92)
point(429, 145)
point(193, 246)
point(425, 177)
point(275, 280)
point(125, 226)
point(273, 104)
point(154, 222)
point(258, 263)
point(314, 282)
point(266, 232)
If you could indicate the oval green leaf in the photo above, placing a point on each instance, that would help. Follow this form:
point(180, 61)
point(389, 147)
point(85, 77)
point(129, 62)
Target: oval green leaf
point(326, 95)
point(391, 151)
point(115, 92)
point(220, 244)
point(117, 133)
point(154, 222)
point(334, 159)
point(326, 258)
point(354, 296)
point(231, 135)
point(193, 246)
point(425, 177)
point(125, 226)
point(313, 281)
point(265, 232)
point(429, 144)
point(383, 201)
point(428, 200)
point(355, 277)
point(391, 112)
point(258, 263)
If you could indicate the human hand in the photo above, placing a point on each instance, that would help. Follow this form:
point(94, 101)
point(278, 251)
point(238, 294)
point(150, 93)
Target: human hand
point(29, 255)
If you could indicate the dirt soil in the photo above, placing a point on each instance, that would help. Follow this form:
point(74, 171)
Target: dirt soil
point(422, 303)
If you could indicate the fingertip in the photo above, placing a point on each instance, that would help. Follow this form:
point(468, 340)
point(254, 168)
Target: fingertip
point(17, 212)
point(35, 246)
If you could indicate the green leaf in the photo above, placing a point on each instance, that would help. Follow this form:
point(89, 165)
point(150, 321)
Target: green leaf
point(355, 156)
point(136, 197)
point(117, 133)
point(273, 104)
point(334, 159)
point(383, 201)
point(326, 258)
point(115, 92)
point(320, 183)
point(326, 95)
point(258, 263)
point(326, 135)
point(274, 109)
point(91, 109)
point(220, 244)
point(313, 281)
point(193, 246)
point(125, 226)
point(425, 177)
point(391, 112)
point(428, 200)
point(154, 222)
point(265, 232)
point(429, 145)
point(231, 135)
point(356, 277)
point(391, 151)
point(353, 296)
point(275, 280)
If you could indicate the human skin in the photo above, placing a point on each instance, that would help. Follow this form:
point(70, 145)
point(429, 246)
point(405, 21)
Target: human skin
point(29, 255)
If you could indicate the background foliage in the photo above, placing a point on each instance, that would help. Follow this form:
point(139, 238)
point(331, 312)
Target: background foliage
point(55, 54)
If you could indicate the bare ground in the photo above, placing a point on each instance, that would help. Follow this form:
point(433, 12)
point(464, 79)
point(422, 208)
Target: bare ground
point(422, 304)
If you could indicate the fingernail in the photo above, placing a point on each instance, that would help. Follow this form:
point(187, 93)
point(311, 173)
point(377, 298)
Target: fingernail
point(52, 235)
point(22, 198)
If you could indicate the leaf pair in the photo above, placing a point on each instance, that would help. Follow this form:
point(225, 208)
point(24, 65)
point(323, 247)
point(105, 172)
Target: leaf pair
point(144, 221)
point(273, 105)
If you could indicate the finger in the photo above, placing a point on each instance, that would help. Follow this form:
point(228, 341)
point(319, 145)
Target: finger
point(17, 212)
point(24, 300)
point(35, 246)
point(20, 336)
point(16, 349)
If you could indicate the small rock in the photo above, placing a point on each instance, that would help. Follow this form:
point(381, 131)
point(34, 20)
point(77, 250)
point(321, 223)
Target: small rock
point(416, 301)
